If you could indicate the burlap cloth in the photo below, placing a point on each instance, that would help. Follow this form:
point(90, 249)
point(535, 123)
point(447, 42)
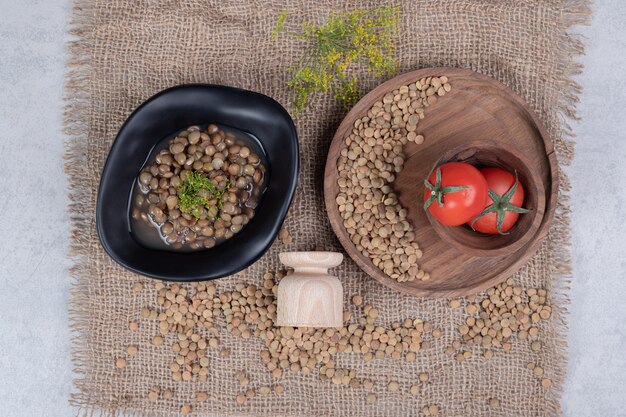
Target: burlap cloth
point(124, 52)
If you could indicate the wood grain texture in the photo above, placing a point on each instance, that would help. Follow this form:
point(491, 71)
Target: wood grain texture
point(310, 297)
point(480, 120)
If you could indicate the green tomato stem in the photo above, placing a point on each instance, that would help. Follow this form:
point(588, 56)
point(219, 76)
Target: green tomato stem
point(437, 191)
point(500, 205)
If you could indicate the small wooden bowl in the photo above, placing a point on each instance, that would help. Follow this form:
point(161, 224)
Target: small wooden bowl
point(500, 155)
point(481, 112)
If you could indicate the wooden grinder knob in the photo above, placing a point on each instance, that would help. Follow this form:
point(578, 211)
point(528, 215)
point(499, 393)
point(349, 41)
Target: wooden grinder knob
point(310, 297)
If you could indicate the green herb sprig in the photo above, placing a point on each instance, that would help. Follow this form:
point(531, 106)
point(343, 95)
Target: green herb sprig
point(196, 193)
point(347, 40)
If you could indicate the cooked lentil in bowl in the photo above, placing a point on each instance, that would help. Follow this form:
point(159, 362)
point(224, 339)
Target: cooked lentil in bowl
point(198, 189)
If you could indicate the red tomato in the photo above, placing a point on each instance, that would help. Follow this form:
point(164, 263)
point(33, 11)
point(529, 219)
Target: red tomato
point(503, 207)
point(455, 193)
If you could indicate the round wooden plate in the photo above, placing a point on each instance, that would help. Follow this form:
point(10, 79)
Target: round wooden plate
point(477, 109)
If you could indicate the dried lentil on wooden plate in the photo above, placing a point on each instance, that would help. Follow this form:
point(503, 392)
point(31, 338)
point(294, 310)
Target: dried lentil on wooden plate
point(373, 154)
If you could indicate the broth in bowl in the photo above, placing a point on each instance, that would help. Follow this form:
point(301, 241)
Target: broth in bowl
point(198, 189)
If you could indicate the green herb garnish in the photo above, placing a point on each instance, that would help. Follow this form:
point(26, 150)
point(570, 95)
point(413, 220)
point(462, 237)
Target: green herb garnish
point(347, 41)
point(197, 192)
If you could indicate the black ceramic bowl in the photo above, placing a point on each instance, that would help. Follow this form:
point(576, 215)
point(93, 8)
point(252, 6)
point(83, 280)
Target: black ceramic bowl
point(165, 114)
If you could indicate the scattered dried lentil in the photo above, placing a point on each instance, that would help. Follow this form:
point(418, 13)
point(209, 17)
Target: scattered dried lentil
point(371, 398)
point(250, 311)
point(431, 410)
point(131, 350)
point(504, 311)
point(284, 236)
point(393, 386)
point(546, 382)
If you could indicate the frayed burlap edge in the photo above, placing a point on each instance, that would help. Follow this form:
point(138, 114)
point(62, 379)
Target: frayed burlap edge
point(76, 122)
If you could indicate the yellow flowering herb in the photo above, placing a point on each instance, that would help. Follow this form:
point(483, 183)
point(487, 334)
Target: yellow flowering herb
point(345, 41)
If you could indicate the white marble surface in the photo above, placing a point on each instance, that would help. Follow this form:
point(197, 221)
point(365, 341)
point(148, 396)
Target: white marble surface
point(35, 368)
